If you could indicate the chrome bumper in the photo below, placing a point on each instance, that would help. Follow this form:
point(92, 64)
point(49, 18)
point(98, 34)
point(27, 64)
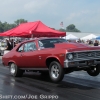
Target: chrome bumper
point(81, 63)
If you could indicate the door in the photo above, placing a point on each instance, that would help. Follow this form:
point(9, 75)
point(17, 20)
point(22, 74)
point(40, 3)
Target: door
point(28, 58)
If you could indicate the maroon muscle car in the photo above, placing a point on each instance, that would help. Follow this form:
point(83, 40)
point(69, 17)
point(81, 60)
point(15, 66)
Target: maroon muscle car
point(52, 56)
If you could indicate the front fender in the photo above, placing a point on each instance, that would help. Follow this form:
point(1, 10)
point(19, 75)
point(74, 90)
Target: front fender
point(55, 58)
point(11, 61)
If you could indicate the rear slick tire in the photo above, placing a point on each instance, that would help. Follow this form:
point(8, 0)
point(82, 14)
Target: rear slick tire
point(15, 71)
point(56, 72)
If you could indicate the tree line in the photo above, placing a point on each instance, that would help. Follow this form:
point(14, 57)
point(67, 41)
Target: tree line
point(70, 28)
point(6, 26)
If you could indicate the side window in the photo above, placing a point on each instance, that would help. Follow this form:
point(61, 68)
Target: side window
point(45, 44)
point(25, 48)
point(41, 45)
point(30, 46)
point(20, 48)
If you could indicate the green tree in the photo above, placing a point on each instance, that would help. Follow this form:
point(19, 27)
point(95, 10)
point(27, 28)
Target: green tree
point(62, 30)
point(6, 26)
point(19, 21)
point(72, 28)
point(1, 27)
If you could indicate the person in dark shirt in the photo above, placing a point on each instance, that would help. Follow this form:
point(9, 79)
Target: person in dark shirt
point(96, 43)
point(8, 45)
point(12, 44)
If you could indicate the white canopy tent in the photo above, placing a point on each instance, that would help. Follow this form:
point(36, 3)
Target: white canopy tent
point(89, 37)
point(71, 37)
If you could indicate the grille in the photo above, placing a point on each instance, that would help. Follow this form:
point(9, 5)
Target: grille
point(88, 55)
point(84, 55)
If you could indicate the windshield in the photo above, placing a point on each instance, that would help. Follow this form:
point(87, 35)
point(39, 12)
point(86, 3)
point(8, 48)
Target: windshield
point(49, 43)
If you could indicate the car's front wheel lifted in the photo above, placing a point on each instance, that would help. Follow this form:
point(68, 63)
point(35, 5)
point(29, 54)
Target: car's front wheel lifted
point(56, 72)
point(15, 71)
point(94, 70)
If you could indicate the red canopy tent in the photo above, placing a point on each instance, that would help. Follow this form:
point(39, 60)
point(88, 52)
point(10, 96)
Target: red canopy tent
point(37, 29)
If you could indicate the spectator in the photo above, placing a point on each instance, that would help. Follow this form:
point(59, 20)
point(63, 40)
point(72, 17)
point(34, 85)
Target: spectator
point(82, 41)
point(90, 42)
point(79, 41)
point(12, 44)
point(96, 43)
point(8, 45)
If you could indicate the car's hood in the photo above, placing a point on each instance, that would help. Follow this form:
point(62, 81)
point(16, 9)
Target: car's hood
point(71, 47)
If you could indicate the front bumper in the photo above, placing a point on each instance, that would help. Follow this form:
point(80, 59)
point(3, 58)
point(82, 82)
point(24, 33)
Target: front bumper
point(81, 63)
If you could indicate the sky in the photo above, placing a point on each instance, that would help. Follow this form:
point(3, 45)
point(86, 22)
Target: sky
point(84, 14)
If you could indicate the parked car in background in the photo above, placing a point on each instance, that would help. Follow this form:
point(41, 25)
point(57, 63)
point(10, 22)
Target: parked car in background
point(3, 46)
point(52, 56)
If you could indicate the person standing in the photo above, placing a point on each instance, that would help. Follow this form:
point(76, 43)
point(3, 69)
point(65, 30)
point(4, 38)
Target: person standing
point(12, 44)
point(8, 45)
point(96, 43)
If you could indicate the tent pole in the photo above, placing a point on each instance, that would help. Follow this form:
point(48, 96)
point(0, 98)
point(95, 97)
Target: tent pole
point(9, 38)
point(13, 41)
point(32, 36)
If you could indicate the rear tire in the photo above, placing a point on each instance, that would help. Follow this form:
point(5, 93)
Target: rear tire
point(94, 70)
point(56, 72)
point(15, 71)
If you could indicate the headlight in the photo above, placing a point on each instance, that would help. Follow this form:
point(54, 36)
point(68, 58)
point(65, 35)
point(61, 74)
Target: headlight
point(70, 56)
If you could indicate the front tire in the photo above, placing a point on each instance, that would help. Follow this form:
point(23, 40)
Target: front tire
point(94, 70)
point(56, 72)
point(15, 71)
